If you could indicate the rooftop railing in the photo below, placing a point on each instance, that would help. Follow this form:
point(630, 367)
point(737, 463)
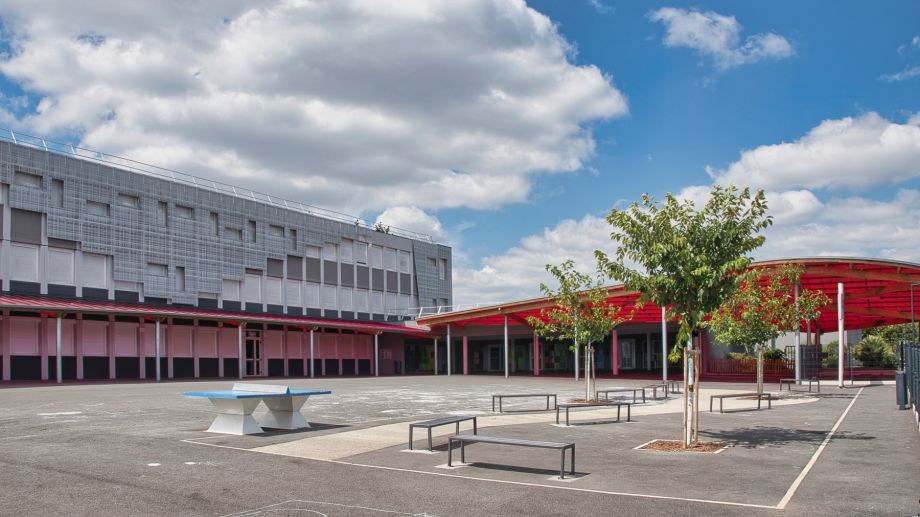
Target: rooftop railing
point(417, 312)
point(121, 162)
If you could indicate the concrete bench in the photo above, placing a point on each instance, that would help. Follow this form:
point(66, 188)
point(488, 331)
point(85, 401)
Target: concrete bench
point(663, 386)
point(521, 395)
point(790, 382)
point(429, 424)
point(235, 407)
point(608, 391)
point(464, 439)
point(768, 396)
point(567, 407)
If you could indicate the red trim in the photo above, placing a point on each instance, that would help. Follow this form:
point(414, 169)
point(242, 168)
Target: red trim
point(154, 312)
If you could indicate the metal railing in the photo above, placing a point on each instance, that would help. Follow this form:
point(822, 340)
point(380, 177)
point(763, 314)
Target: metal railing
point(121, 162)
point(417, 312)
point(911, 353)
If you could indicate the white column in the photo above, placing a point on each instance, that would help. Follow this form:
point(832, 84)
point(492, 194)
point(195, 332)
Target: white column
point(376, 354)
point(242, 364)
point(158, 350)
point(576, 359)
point(448, 350)
point(58, 359)
point(798, 340)
point(312, 373)
point(435, 356)
point(664, 345)
point(840, 335)
point(506, 346)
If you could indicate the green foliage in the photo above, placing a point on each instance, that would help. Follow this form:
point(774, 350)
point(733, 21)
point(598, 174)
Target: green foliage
point(764, 306)
point(582, 313)
point(893, 334)
point(738, 356)
point(875, 352)
point(830, 360)
point(773, 354)
point(688, 259)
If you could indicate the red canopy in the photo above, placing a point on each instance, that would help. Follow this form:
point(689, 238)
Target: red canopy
point(876, 292)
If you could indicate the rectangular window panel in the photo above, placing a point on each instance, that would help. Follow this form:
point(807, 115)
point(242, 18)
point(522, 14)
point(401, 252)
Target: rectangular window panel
point(97, 208)
point(312, 251)
point(377, 279)
point(376, 256)
point(162, 214)
point(60, 266)
point(273, 294)
point(24, 262)
point(360, 300)
point(442, 269)
point(293, 238)
point(389, 259)
point(25, 226)
point(214, 221)
point(294, 267)
point(157, 269)
point(185, 212)
point(57, 193)
point(292, 293)
point(313, 269)
point(180, 279)
point(230, 290)
point(311, 298)
point(252, 288)
point(275, 268)
point(404, 259)
point(330, 273)
point(345, 299)
point(95, 271)
point(233, 233)
point(360, 254)
point(275, 231)
point(128, 200)
point(348, 275)
point(253, 231)
point(329, 296)
point(392, 281)
point(363, 277)
point(27, 180)
point(405, 283)
point(377, 302)
point(346, 250)
point(329, 252)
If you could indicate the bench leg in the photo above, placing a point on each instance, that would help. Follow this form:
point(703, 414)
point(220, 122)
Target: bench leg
point(643, 395)
point(557, 415)
point(462, 452)
point(450, 452)
point(410, 437)
point(429, 439)
point(493, 403)
point(567, 416)
point(721, 401)
point(573, 460)
point(474, 426)
point(458, 428)
point(629, 413)
point(618, 412)
point(562, 467)
point(710, 404)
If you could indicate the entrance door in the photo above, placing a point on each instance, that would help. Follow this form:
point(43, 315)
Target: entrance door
point(254, 353)
point(627, 354)
point(495, 358)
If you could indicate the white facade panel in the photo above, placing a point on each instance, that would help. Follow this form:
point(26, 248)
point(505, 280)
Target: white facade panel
point(252, 288)
point(23, 262)
point(95, 271)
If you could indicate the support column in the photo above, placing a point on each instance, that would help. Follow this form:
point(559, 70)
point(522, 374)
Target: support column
point(664, 344)
point(506, 346)
point(78, 346)
point(5, 344)
point(240, 358)
point(466, 356)
point(840, 335)
point(141, 348)
point(448, 351)
point(376, 354)
point(284, 348)
point(615, 350)
point(170, 336)
point(197, 370)
point(435, 356)
point(220, 349)
point(43, 345)
point(798, 340)
point(536, 355)
point(59, 361)
point(312, 352)
point(158, 350)
point(110, 344)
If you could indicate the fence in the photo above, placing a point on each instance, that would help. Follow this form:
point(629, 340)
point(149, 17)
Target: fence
point(912, 369)
point(748, 366)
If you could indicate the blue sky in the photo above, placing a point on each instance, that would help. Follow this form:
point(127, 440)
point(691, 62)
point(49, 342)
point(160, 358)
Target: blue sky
point(506, 130)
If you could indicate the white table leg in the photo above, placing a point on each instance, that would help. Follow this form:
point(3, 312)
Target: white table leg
point(284, 413)
point(234, 416)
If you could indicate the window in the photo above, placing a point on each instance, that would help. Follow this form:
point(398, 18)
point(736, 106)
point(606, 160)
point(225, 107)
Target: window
point(154, 269)
point(27, 180)
point(25, 226)
point(346, 250)
point(294, 267)
point(162, 214)
point(180, 278)
point(185, 212)
point(293, 239)
point(215, 223)
point(274, 268)
point(252, 231)
point(329, 252)
point(376, 256)
point(404, 261)
point(361, 253)
point(389, 259)
point(128, 200)
point(230, 290)
point(57, 193)
point(97, 208)
point(275, 230)
point(442, 269)
point(233, 233)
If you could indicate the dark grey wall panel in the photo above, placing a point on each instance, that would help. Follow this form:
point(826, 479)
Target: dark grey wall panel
point(25, 226)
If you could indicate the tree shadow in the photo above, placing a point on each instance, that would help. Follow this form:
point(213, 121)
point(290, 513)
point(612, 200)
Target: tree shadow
point(752, 437)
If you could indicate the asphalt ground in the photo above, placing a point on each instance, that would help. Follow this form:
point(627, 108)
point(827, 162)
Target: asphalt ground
point(139, 449)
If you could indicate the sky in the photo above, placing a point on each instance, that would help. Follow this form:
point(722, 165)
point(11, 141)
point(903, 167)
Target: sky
point(507, 130)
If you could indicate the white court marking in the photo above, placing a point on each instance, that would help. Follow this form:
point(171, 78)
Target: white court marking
point(280, 506)
point(779, 506)
point(62, 413)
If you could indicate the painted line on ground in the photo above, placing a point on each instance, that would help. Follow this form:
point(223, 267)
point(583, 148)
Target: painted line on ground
point(502, 481)
point(814, 459)
point(255, 511)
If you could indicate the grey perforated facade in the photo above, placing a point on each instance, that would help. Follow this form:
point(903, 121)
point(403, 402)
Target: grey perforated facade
point(138, 237)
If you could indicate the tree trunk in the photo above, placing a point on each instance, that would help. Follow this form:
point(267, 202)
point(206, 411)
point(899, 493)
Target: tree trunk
point(696, 396)
point(760, 369)
point(587, 372)
point(685, 438)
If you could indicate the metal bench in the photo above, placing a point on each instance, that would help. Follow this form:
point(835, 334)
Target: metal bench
point(608, 391)
point(464, 439)
point(567, 407)
point(790, 382)
point(674, 386)
point(522, 395)
point(768, 396)
point(663, 386)
point(428, 424)
point(235, 407)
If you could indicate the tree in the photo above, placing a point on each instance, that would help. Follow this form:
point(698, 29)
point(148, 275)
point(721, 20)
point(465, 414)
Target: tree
point(582, 313)
point(763, 307)
point(689, 261)
point(875, 351)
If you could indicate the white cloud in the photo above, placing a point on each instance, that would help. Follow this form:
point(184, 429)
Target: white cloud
point(413, 219)
point(903, 75)
point(718, 37)
point(352, 105)
point(850, 152)
point(517, 272)
point(601, 7)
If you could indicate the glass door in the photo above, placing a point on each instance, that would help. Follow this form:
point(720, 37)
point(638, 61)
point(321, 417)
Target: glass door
point(254, 353)
point(627, 354)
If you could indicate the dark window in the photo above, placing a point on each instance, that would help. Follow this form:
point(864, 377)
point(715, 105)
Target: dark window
point(61, 243)
point(348, 275)
point(313, 268)
point(330, 273)
point(363, 281)
point(275, 268)
point(25, 226)
point(392, 281)
point(377, 277)
point(405, 283)
point(294, 267)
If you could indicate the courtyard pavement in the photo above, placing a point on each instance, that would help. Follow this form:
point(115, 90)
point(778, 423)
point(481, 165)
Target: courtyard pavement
point(140, 449)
